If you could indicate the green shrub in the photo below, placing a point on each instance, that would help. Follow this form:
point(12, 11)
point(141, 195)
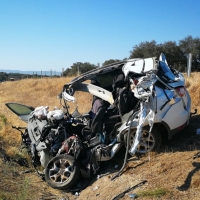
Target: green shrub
point(154, 192)
point(3, 118)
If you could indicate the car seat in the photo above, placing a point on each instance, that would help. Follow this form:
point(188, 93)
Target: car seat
point(96, 126)
point(93, 134)
point(125, 100)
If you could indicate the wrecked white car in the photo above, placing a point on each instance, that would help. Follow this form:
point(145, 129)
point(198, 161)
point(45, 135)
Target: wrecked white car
point(137, 103)
point(147, 86)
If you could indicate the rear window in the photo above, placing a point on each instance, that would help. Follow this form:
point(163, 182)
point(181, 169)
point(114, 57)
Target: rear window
point(20, 109)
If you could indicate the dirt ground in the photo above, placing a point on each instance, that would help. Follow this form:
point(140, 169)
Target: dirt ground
point(172, 170)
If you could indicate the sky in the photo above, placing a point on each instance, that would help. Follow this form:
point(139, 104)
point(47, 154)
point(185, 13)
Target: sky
point(52, 35)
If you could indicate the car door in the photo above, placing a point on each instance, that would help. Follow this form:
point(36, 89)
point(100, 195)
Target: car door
point(22, 111)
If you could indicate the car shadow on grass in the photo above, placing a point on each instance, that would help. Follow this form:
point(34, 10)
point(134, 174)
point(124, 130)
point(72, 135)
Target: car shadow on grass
point(185, 140)
point(188, 180)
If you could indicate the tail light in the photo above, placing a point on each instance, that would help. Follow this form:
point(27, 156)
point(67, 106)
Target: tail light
point(180, 91)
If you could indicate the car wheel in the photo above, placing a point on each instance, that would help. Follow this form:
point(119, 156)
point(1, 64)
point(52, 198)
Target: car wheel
point(148, 142)
point(62, 172)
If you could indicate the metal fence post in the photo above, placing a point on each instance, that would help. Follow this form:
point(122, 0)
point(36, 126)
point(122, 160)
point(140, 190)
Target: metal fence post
point(189, 64)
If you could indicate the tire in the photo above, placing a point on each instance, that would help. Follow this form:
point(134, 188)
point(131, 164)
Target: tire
point(62, 172)
point(148, 142)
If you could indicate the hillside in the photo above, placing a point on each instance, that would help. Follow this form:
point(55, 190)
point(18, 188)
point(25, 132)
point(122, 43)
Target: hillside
point(170, 174)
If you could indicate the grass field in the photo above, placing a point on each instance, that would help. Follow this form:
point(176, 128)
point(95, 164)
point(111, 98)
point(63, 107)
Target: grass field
point(160, 171)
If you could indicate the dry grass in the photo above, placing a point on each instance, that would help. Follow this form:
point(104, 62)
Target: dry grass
point(173, 170)
point(33, 92)
point(38, 92)
point(192, 84)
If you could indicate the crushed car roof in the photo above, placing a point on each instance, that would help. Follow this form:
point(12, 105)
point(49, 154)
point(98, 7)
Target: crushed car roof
point(137, 63)
point(92, 73)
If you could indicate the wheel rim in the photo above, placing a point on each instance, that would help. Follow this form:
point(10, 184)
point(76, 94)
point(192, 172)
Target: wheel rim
point(61, 171)
point(147, 141)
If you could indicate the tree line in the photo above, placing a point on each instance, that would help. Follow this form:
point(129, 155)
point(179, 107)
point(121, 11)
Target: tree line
point(176, 54)
point(10, 76)
point(17, 76)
